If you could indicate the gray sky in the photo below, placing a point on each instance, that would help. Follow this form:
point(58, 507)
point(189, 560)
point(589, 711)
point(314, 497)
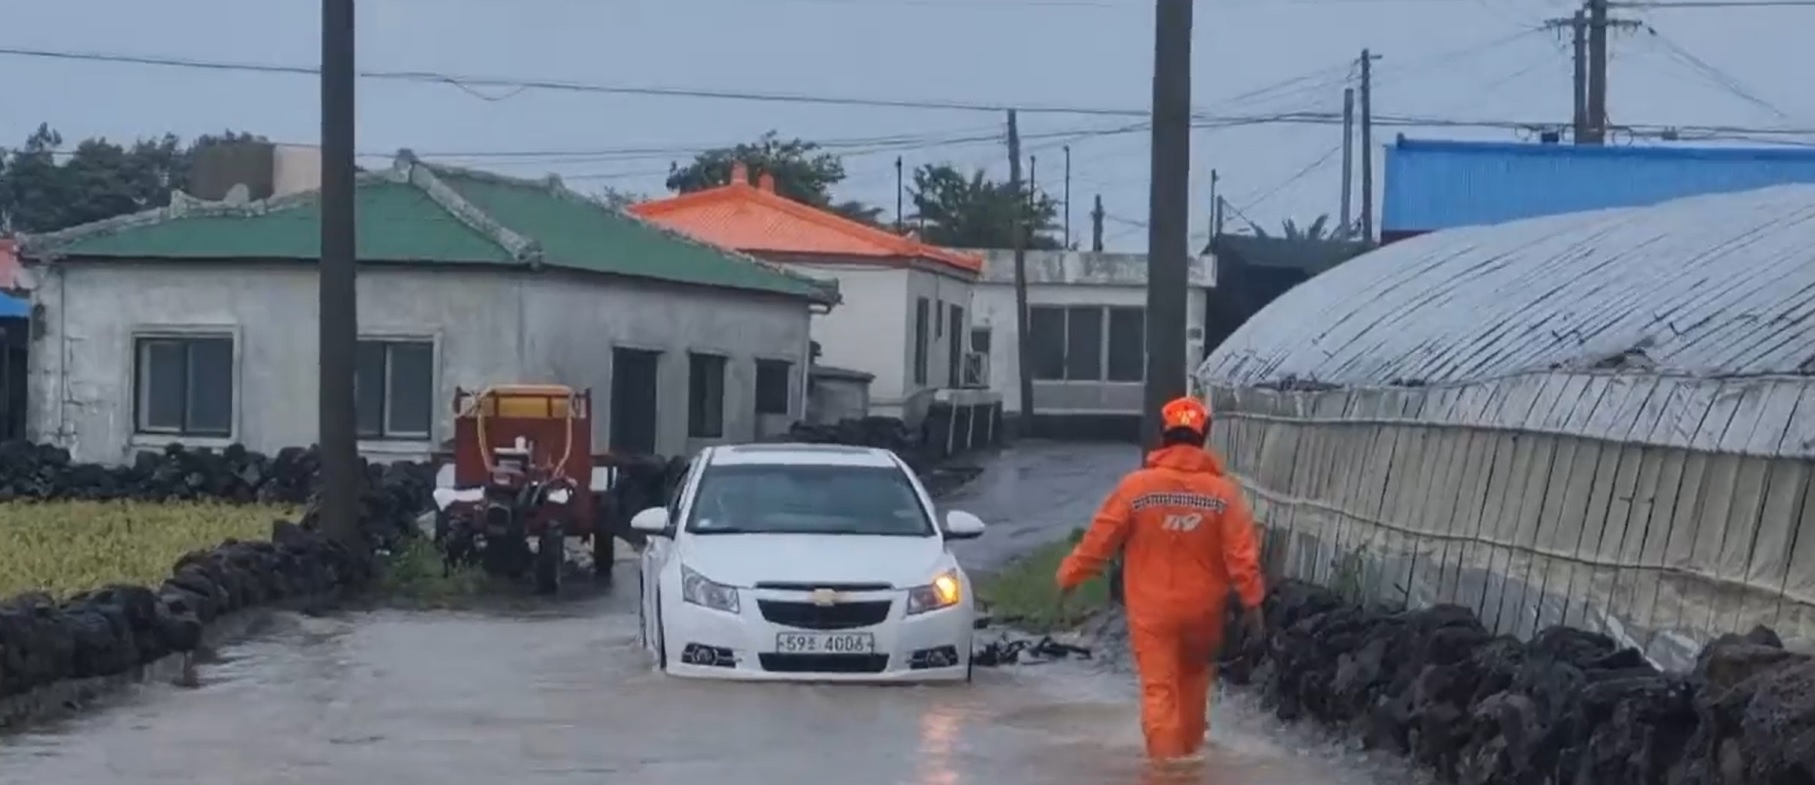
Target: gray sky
point(1463, 59)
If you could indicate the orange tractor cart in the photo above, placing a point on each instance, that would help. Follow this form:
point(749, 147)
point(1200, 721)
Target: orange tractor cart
point(522, 470)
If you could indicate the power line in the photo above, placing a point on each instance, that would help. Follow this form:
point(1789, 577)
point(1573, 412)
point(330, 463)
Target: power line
point(1295, 177)
point(1201, 120)
point(1716, 76)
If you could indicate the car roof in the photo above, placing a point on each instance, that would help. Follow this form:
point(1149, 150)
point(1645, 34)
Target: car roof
point(797, 454)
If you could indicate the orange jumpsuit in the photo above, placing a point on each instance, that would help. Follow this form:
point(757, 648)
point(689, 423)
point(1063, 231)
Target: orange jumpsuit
point(1188, 536)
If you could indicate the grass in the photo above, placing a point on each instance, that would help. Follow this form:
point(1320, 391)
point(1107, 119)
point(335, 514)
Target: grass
point(72, 546)
point(1025, 594)
point(416, 575)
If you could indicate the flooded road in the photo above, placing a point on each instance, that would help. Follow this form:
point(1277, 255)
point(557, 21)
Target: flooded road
point(563, 695)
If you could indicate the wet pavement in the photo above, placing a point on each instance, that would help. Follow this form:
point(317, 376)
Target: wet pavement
point(563, 695)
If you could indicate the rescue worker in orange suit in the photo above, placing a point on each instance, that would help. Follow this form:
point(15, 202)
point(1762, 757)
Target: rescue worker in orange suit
point(1187, 537)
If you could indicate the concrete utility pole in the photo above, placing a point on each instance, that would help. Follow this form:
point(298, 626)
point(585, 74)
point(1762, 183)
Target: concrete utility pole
point(1215, 180)
point(1367, 145)
point(1023, 341)
point(1168, 211)
point(1597, 71)
point(1068, 197)
point(1348, 159)
point(1096, 226)
point(339, 329)
point(898, 188)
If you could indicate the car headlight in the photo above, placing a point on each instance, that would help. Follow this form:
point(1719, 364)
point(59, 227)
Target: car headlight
point(699, 590)
point(944, 592)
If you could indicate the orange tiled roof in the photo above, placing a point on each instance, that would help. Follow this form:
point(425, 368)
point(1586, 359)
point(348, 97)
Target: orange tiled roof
point(754, 219)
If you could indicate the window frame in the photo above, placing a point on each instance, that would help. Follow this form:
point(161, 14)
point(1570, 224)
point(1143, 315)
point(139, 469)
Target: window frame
point(386, 431)
point(138, 344)
point(787, 386)
point(922, 339)
point(698, 419)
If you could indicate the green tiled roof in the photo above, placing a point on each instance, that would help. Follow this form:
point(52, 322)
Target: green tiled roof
point(428, 214)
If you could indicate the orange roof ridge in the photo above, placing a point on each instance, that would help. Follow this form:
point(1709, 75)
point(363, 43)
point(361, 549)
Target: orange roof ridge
point(884, 243)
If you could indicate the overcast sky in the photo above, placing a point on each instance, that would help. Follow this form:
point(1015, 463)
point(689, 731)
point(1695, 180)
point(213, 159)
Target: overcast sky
point(1457, 59)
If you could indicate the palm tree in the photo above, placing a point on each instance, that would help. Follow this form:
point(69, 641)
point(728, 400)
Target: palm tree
point(1319, 229)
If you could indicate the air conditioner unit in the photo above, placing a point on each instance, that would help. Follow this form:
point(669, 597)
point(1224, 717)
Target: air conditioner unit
point(976, 369)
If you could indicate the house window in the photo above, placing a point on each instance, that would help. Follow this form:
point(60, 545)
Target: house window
point(1046, 338)
point(954, 359)
point(1127, 344)
point(1088, 343)
point(184, 385)
point(772, 386)
point(705, 396)
point(921, 339)
point(939, 325)
point(394, 388)
point(1084, 344)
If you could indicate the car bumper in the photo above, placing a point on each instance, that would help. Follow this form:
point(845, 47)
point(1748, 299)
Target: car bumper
point(709, 644)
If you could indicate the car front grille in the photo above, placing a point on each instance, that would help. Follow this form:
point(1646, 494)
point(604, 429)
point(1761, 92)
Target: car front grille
point(838, 616)
point(824, 663)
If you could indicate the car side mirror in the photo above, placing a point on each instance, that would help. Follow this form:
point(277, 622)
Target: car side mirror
point(651, 521)
point(961, 525)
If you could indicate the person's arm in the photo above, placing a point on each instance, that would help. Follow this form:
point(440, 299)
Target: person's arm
point(1108, 531)
point(1241, 556)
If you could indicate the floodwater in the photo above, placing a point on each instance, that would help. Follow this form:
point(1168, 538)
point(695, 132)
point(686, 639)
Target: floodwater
point(563, 695)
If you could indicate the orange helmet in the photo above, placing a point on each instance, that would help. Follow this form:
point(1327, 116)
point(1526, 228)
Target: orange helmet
point(1187, 412)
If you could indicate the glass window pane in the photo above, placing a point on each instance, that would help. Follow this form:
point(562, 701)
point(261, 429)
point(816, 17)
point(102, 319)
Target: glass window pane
point(772, 386)
point(162, 382)
point(980, 340)
point(210, 404)
point(1127, 344)
point(410, 399)
point(1046, 333)
point(368, 388)
point(1084, 344)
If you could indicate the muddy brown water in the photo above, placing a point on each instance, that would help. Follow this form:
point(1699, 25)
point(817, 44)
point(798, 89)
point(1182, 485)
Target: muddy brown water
point(563, 694)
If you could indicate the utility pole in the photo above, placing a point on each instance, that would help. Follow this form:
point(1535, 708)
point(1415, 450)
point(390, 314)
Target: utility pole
point(1033, 180)
point(1367, 145)
point(1169, 211)
point(338, 329)
point(1023, 341)
point(1578, 28)
point(1068, 198)
point(1348, 160)
point(1220, 202)
point(1597, 71)
point(1096, 226)
point(1215, 179)
point(898, 214)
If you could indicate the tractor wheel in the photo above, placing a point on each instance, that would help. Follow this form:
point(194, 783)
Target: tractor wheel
point(551, 553)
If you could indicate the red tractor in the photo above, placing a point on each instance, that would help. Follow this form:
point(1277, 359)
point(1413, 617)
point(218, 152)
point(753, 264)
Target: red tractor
point(521, 471)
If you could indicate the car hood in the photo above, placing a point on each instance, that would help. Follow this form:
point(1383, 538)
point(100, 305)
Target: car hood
point(748, 559)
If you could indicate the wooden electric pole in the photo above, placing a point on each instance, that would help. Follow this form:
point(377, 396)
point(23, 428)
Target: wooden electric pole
point(1597, 71)
point(1068, 199)
point(338, 329)
point(1168, 212)
point(1023, 341)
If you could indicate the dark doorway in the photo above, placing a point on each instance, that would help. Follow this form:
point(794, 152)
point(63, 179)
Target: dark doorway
point(634, 385)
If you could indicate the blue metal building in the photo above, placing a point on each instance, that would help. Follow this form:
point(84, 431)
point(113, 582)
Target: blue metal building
point(1431, 184)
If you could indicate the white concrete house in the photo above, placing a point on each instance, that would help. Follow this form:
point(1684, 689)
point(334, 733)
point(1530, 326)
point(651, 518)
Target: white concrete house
point(1087, 314)
point(197, 323)
point(907, 307)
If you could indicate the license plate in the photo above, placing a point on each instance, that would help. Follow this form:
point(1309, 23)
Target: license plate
point(825, 643)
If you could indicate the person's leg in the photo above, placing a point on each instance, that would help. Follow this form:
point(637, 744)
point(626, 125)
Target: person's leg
point(1197, 674)
point(1157, 653)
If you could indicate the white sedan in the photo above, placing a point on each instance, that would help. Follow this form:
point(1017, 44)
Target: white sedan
point(805, 562)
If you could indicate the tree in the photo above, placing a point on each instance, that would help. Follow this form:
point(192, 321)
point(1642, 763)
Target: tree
point(801, 170)
point(618, 199)
point(1319, 229)
point(977, 212)
point(44, 188)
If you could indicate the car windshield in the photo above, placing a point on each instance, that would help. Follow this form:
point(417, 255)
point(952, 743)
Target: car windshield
point(796, 499)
